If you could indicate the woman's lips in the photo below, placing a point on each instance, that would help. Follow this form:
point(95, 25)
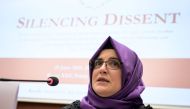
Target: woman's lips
point(102, 79)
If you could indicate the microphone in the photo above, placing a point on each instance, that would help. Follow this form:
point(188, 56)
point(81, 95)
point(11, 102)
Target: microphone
point(52, 81)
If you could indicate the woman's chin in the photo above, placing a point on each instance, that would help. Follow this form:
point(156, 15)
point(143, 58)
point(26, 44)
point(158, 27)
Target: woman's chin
point(101, 91)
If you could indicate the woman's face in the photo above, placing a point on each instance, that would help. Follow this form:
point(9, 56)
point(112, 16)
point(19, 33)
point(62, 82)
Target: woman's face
point(106, 75)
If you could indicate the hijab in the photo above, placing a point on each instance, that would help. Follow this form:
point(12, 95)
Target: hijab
point(132, 85)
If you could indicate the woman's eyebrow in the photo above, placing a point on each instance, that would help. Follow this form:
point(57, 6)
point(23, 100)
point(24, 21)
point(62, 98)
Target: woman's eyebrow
point(99, 59)
point(114, 58)
point(108, 58)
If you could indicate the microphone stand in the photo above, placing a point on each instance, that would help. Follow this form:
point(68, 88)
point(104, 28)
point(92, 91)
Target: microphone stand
point(4, 79)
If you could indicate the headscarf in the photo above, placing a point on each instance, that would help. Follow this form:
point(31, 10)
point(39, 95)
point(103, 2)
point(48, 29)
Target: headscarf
point(132, 85)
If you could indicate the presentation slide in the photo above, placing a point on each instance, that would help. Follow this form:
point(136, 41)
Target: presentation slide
point(43, 38)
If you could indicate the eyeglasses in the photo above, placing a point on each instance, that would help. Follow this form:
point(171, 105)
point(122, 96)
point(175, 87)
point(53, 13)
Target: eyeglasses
point(113, 64)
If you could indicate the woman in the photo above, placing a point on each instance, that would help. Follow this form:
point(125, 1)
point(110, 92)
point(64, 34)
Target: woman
point(115, 79)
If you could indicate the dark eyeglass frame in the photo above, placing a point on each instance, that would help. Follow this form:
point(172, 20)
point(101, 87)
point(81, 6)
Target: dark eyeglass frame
point(112, 63)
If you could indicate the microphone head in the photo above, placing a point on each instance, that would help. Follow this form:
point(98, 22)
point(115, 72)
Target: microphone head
point(53, 81)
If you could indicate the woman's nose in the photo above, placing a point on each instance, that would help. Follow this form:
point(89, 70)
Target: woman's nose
point(104, 65)
point(103, 68)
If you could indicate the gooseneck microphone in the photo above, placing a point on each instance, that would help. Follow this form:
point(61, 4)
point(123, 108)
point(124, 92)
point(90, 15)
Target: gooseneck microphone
point(52, 81)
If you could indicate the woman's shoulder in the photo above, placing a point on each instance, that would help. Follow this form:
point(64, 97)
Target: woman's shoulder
point(74, 105)
point(145, 107)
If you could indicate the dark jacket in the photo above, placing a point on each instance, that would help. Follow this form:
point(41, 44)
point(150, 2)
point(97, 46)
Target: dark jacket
point(76, 105)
